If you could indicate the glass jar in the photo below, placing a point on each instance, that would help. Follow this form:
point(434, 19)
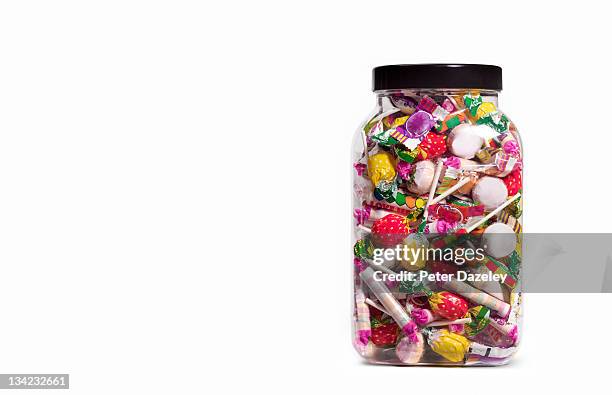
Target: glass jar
point(437, 210)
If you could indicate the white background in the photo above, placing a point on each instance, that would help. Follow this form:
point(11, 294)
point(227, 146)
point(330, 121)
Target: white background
point(175, 186)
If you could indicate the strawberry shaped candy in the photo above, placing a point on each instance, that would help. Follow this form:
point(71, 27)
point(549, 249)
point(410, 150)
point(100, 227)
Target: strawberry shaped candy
point(448, 305)
point(432, 146)
point(390, 230)
point(514, 182)
point(384, 333)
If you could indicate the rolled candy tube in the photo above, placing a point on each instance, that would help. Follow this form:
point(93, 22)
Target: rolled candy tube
point(508, 329)
point(364, 331)
point(466, 320)
point(477, 296)
point(395, 309)
point(376, 306)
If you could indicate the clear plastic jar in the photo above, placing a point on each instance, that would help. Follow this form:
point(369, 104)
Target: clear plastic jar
point(437, 203)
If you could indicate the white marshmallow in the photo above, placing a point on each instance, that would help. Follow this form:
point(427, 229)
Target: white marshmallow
point(423, 177)
point(490, 191)
point(499, 240)
point(466, 140)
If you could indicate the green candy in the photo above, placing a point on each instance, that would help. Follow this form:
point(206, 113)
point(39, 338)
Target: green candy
point(407, 156)
point(363, 249)
point(497, 121)
point(472, 103)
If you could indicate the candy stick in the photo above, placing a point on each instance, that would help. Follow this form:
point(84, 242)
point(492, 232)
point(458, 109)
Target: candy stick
point(434, 185)
point(466, 320)
point(395, 309)
point(492, 213)
point(376, 305)
point(451, 190)
point(478, 297)
point(364, 229)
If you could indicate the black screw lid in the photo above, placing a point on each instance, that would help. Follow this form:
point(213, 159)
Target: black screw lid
point(437, 76)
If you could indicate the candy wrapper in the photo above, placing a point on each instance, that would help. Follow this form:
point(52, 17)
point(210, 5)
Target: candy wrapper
point(381, 167)
point(451, 346)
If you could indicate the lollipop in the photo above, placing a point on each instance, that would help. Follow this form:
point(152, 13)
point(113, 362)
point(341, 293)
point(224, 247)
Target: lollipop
point(410, 352)
point(466, 140)
point(499, 240)
point(451, 346)
point(490, 191)
point(423, 177)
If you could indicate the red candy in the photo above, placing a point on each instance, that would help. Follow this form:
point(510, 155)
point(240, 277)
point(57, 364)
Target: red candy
point(384, 333)
point(432, 146)
point(448, 305)
point(514, 182)
point(390, 230)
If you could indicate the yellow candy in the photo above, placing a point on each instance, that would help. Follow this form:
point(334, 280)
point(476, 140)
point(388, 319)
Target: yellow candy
point(450, 345)
point(381, 167)
point(415, 255)
point(484, 109)
point(391, 123)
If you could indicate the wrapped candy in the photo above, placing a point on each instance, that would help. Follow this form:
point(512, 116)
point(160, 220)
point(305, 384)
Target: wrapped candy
point(384, 332)
point(422, 316)
point(477, 296)
point(506, 217)
point(448, 305)
point(406, 104)
point(480, 320)
point(390, 230)
point(451, 121)
point(419, 124)
point(451, 346)
point(432, 146)
point(381, 167)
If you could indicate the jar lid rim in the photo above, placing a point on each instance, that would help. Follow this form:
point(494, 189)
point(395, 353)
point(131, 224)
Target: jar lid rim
point(437, 76)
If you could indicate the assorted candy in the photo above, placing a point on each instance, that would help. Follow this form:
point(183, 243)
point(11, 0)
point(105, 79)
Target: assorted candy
point(437, 170)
